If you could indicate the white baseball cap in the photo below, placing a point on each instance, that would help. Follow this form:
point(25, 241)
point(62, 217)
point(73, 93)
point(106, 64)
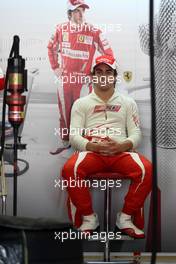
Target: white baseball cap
point(73, 4)
point(106, 59)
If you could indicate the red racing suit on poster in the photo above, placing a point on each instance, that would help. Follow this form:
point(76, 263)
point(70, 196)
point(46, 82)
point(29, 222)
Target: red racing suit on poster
point(118, 120)
point(1, 80)
point(76, 47)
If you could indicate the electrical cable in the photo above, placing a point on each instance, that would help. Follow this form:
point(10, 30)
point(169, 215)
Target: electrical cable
point(20, 172)
point(4, 115)
point(25, 247)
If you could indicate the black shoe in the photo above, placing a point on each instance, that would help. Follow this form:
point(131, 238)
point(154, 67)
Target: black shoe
point(59, 150)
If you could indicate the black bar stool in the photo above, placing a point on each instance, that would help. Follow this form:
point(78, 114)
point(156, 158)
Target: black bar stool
point(107, 215)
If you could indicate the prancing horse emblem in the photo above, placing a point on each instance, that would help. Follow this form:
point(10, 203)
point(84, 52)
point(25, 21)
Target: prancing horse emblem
point(127, 75)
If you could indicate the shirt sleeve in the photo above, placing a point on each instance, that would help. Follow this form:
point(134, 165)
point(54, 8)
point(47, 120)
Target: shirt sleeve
point(53, 49)
point(103, 45)
point(77, 125)
point(133, 124)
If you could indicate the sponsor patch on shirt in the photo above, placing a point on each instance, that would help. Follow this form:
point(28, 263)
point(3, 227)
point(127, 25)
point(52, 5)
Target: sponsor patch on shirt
point(66, 44)
point(136, 120)
point(111, 108)
point(65, 37)
point(75, 54)
point(85, 39)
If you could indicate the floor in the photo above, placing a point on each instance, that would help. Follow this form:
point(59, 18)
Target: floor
point(127, 257)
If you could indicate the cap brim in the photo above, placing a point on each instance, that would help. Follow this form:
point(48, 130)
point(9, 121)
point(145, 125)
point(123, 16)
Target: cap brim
point(85, 6)
point(112, 66)
point(80, 5)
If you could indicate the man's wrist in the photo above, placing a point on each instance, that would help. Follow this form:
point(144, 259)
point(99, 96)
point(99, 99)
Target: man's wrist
point(92, 147)
point(127, 145)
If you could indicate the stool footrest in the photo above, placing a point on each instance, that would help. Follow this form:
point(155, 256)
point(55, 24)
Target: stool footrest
point(123, 238)
point(112, 262)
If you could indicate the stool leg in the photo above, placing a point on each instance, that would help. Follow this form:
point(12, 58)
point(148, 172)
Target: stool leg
point(4, 205)
point(107, 218)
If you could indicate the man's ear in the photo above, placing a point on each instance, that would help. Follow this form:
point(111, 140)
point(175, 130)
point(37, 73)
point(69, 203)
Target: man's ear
point(92, 73)
point(115, 73)
point(69, 14)
point(92, 76)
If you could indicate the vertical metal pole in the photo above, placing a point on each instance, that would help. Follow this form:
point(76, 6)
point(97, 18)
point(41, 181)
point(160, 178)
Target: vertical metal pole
point(3, 193)
point(4, 205)
point(15, 171)
point(107, 217)
point(154, 134)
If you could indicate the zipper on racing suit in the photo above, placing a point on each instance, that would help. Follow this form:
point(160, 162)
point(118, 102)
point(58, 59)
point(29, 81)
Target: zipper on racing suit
point(106, 117)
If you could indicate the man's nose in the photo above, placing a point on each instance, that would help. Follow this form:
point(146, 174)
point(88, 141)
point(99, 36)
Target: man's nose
point(104, 74)
point(81, 13)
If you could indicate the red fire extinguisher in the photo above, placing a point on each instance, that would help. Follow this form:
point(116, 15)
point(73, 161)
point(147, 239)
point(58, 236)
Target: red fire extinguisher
point(17, 77)
point(15, 85)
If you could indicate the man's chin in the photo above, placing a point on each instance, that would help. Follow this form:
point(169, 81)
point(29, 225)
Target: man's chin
point(79, 23)
point(104, 87)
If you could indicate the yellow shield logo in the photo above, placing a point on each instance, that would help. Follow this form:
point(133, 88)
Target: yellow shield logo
point(81, 39)
point(127, 75)
point(65, 37)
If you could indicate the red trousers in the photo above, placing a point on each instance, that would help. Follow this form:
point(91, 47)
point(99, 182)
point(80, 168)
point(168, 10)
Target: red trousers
point(2, 81)
point(129, 165)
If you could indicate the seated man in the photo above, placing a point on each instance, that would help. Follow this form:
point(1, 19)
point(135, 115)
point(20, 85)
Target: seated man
point(110, 123)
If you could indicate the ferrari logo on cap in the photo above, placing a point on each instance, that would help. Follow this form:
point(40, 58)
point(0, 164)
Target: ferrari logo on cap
point(127, 75)
point(75, 2)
